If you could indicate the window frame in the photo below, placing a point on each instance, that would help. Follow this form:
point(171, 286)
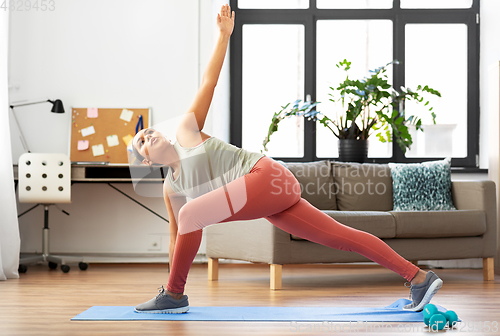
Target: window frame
point(400, 17)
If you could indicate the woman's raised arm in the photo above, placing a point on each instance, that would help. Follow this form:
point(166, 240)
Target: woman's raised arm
point(203, 98)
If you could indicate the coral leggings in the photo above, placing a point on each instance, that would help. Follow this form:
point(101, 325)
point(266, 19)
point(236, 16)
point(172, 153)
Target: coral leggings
point(271, 191)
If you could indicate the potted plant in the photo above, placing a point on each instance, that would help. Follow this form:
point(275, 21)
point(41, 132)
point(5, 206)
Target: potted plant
point(369, 106)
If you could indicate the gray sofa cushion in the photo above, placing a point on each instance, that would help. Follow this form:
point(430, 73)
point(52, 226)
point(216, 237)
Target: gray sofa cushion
point(433, 224)
point(362, 187)
point(316, 183)
point(380, 224)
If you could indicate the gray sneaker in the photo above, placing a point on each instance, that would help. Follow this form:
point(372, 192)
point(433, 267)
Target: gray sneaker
point(164, 304)
point(422, 293)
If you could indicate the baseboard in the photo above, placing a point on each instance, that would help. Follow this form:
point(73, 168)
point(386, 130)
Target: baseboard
point(106, 257)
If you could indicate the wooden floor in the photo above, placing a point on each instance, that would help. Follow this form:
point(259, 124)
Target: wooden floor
point(43, 301)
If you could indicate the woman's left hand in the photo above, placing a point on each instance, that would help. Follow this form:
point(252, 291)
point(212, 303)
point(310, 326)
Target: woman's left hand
point(225, 20)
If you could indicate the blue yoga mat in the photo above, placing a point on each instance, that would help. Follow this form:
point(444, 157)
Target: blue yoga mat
point(391, 313)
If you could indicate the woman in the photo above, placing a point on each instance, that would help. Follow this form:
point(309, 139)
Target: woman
point(227, 183)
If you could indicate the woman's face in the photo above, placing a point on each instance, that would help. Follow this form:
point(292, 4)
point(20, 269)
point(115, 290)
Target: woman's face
point(152, 145)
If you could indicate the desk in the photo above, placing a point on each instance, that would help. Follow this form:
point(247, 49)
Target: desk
point(108, 173)
point(102, 173)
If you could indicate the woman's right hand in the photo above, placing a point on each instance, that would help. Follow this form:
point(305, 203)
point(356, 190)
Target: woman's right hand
point(225, 20)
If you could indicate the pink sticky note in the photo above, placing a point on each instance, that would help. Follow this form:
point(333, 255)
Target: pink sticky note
point(92, 112)
point(83, 144)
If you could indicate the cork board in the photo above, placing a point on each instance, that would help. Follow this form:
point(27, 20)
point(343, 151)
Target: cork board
point(107, 143)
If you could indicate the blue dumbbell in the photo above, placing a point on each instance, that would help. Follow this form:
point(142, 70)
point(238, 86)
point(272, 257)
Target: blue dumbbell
point(452, 318)
point(428, 311)
point(438, 321)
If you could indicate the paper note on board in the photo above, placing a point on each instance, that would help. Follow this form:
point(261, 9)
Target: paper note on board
point(112, 140)
point(98, 150)
point(92, 112)
point(126, 115)
point(88, 131)
point(127, 139)
point(83, 144)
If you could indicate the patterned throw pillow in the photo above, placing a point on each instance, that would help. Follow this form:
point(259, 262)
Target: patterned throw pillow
point(422, 186)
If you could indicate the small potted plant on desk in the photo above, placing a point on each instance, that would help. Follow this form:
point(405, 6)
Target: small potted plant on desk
point(369, 106)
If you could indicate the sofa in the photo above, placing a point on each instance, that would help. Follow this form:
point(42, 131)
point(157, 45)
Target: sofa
point(361, 196)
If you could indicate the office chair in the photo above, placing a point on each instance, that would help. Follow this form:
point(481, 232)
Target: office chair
point(45, 179)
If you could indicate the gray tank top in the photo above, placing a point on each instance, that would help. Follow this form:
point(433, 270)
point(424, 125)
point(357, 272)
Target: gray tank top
point(208, 166)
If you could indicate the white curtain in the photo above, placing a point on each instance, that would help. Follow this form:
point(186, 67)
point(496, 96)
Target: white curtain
point(9, 227)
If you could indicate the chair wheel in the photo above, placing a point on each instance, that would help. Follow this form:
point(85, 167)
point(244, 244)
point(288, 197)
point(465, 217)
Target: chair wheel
point(83, 266)
point(22, 268)
point(52, 265)
point(65, 268)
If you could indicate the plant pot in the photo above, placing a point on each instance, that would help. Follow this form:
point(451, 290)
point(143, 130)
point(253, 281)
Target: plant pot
point(352, 150)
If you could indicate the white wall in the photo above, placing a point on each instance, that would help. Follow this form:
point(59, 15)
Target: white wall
point(111, 53)
point(101, 53)
point(490, 54)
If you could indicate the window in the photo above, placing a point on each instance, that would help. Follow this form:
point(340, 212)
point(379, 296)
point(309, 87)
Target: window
point(369, 46)
point(437, 62)
point(273, 72)
point(354, 4)
point(277, 4)
point(283, 50)
point(436, 3)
